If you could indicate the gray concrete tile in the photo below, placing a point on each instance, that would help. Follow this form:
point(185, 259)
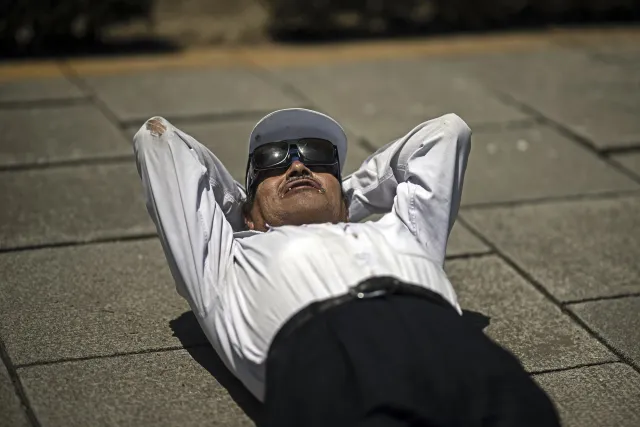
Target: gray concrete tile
point(533, 163)
point(626, 55)
point(576, 249)
point(595, 396)
point(43, 135)
point(38, 90)
point(462, 242)
point(104, 299)
point(382, 101)
point(594, 99)
point(630, 161)
point(229, 141)
point(71, 204)
point(156, 389)
point(180, 93)
point(12, 413)
point(521, 318)
point(617, 321)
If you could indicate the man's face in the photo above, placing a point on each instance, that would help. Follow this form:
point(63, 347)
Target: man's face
point(296, 195)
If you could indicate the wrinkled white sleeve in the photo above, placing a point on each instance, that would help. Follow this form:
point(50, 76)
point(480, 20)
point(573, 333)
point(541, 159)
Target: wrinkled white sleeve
point(189, 195)
point(418, 178)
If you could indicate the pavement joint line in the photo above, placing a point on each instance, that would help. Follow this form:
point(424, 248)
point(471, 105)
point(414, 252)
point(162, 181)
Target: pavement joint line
point(470, 255)
point(217, 118)
point(609, 151)
point(563, 130)
point(548, 295)
point(602, 298)
point(571, 368)
point(17, 386)
point(525, 123)
point(603, 195)
point(44, 103)
point(109, 356)
point(71, 243)
point(269, 76)
point(74, 78)
point(64, 163)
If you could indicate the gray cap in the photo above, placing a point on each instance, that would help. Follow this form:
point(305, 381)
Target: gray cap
point(296, 123)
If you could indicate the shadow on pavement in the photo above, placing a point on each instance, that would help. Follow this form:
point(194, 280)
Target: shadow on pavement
point(187, 330)
point(476, 319)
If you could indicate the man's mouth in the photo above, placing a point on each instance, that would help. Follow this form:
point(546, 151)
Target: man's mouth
point(301, 184)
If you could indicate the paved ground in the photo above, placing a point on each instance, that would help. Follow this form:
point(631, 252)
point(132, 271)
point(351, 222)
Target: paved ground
point(547, 246)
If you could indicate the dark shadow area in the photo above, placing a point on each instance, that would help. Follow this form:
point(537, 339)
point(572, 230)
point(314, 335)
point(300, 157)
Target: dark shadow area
point(187, 330)
point(476, 319)
point(70, 47)
point(46, 29)
point(332, 22)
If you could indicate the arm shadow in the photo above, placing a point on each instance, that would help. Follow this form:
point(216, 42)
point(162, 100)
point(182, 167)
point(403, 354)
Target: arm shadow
point(187, 329)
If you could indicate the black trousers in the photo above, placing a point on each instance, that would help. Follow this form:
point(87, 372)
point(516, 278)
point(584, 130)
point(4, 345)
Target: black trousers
point(397, 360)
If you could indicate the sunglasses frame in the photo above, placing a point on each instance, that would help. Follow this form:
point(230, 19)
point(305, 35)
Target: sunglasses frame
point(252, 171)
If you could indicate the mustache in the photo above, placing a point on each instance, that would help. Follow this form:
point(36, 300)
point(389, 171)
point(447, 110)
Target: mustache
point(290, 181)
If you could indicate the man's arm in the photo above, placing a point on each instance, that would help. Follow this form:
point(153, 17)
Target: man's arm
point(181, 182)
point(419, 177)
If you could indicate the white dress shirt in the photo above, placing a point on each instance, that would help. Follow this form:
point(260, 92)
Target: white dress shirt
point(243, 286)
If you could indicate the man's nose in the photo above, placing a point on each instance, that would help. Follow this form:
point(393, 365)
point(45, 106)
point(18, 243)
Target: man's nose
point(297, 168)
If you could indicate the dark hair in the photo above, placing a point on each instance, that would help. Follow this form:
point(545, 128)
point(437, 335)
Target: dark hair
point(247, 204)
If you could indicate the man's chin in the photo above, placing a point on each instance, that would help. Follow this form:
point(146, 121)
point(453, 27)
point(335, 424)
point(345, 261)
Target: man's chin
point(307, 208)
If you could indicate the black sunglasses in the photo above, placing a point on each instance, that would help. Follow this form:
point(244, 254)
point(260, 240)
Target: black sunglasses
point(281, 154)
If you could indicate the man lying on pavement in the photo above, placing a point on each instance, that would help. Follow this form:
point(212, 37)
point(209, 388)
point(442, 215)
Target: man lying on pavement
point(329, 321)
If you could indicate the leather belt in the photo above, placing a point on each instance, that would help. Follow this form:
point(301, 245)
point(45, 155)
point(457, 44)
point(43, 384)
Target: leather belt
point(374, 287)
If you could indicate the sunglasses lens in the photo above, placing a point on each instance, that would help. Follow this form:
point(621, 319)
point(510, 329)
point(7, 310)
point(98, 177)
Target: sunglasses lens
point(269, 155)
point(317, 151)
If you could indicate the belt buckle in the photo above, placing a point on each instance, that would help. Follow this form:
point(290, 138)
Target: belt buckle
point(360, 293)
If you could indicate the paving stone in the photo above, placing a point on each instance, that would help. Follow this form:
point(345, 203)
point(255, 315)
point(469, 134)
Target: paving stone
point(595, 396)
point(576, 249)
point(630, 161)
point(382, 101)
point(229, 141)
point(103, 299)
point(38, 90)
point(623, 55)
point(617, 321)
point(183, 93)
point(71, 204)
point(156, 389)
point(521, 318)
point(533, 163)
point(43, 135)
point(10, 408)
point(462, 242)
point(594, 99)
